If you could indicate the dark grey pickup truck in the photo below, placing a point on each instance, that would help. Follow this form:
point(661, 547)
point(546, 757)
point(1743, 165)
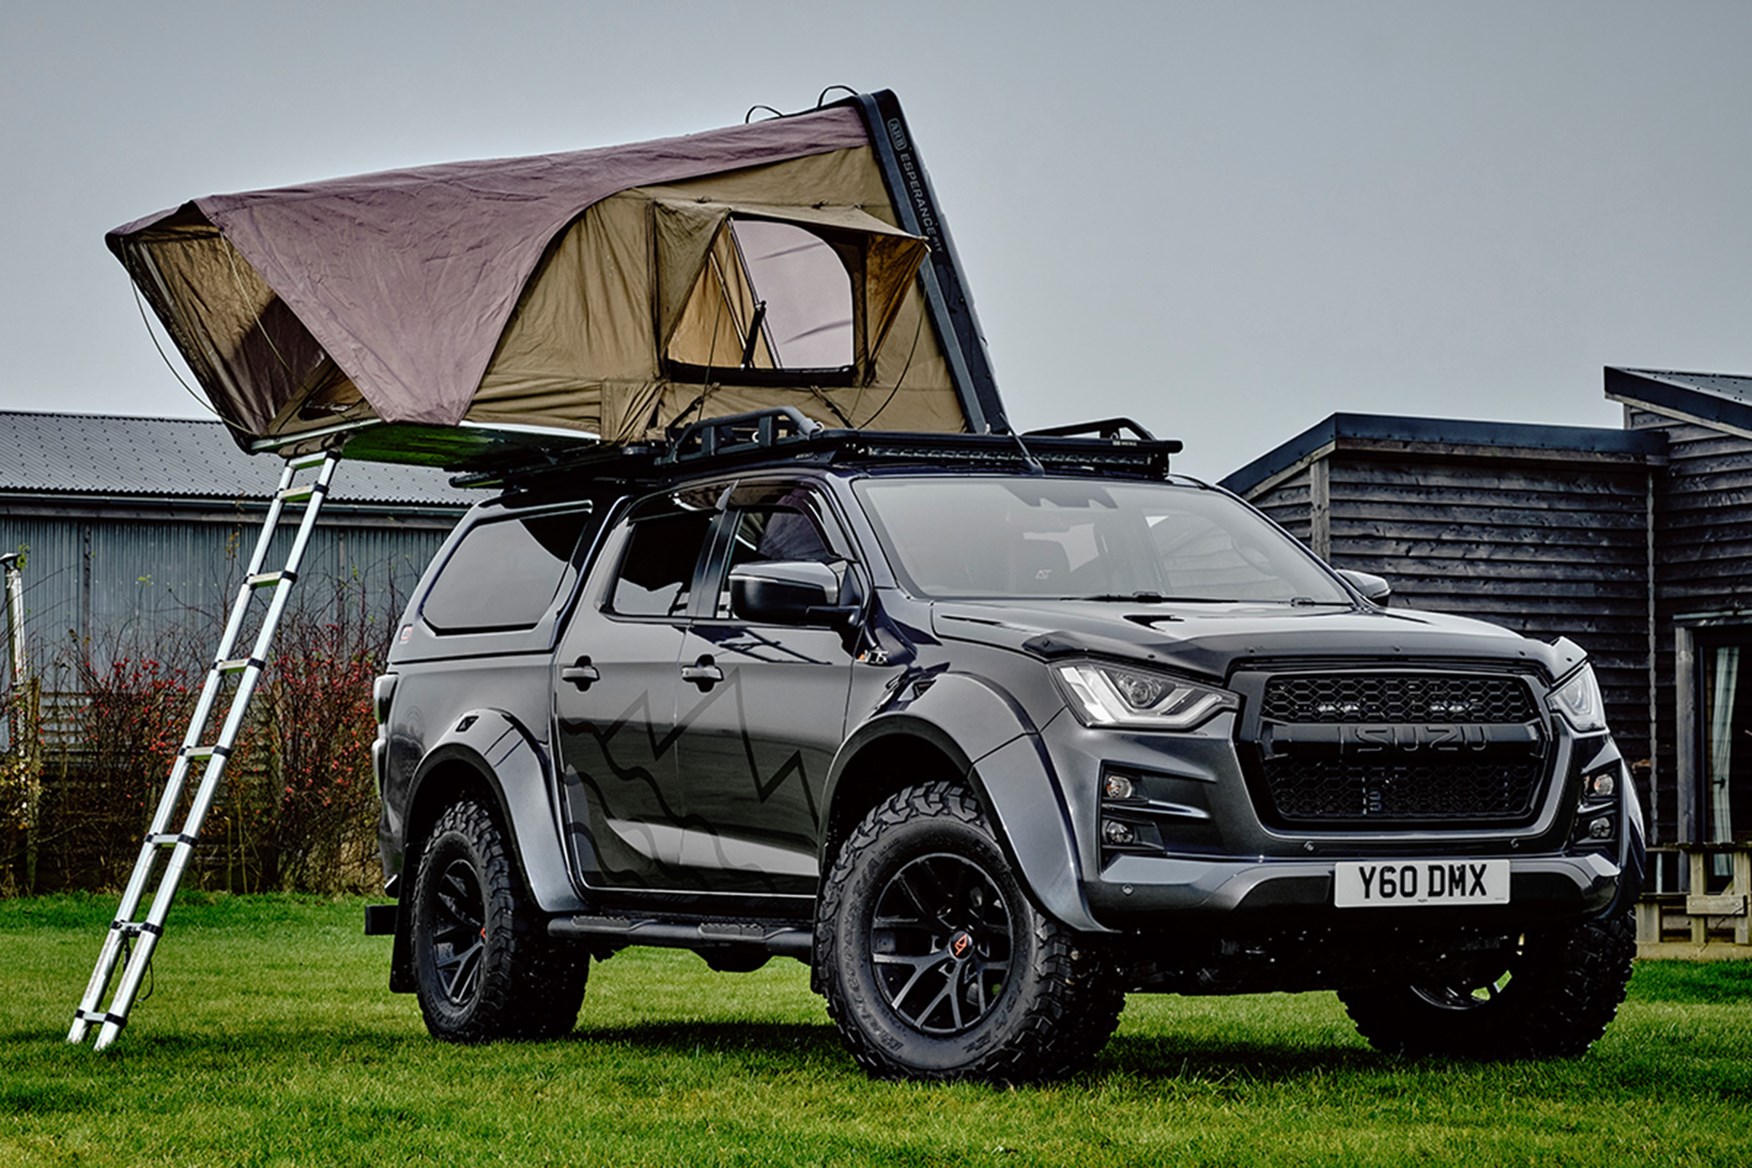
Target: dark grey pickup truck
point(990, 731)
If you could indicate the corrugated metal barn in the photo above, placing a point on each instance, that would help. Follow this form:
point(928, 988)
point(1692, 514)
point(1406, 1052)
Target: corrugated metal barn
point(1637, 543)
point(135, 526)
point(136, 535)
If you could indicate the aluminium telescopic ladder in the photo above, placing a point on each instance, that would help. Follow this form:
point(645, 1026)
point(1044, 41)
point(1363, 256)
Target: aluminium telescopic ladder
point(131, 940)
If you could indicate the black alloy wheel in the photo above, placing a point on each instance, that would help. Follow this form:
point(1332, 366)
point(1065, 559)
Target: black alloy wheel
point(459, 932)
point(484, 966)
point(935, 963)
point(940, 941)
point(1547, 993)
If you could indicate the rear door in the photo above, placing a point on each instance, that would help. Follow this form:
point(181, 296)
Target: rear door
point(615, 693)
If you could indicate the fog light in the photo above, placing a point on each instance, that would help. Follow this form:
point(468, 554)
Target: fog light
point(1117, 833)
point(1116, 787)
point(1603, 785)
point(1600, 828)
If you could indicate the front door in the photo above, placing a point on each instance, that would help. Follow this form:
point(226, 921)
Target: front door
point(761, 710)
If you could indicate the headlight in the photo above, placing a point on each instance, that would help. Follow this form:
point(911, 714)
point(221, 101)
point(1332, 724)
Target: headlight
point(1113, 695)
point(1578, 699)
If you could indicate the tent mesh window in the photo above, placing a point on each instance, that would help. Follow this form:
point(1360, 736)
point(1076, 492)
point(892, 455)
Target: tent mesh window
point(771, 297)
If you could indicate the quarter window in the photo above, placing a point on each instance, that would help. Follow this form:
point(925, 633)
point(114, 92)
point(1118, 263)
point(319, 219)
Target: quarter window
point(504, 574)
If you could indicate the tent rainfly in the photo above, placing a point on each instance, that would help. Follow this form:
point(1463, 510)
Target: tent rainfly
point(611, 293)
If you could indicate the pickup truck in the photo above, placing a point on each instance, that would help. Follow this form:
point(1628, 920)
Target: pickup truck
point(990, 730)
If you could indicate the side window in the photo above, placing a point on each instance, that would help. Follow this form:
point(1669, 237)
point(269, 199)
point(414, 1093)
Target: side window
point(763, 534)
point(504, 574)
point(657, 569)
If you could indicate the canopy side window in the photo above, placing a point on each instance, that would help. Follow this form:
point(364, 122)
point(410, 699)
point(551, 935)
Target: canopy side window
point(749, 296)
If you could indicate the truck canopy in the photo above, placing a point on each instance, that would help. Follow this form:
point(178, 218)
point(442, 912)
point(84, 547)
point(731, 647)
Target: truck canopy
point(608, 293)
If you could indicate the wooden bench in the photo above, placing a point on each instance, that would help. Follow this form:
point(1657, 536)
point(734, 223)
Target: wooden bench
point(1699, 917)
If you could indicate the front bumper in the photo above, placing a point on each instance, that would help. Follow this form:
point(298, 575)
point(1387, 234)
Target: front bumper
point(1203, 857)
point(1137, 891)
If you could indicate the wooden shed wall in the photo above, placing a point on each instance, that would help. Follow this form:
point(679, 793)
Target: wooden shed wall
point(1703, 548)
point(1287, 502)
point(1545, 547)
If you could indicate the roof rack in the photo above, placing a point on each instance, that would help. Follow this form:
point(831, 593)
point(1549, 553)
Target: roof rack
point(1111, 429)
point(785, 435)
point(739, 433)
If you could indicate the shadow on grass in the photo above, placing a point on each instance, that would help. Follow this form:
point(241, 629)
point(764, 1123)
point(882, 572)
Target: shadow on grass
point(799, 1042)
point(1168, 1057)
point(1174, 1056)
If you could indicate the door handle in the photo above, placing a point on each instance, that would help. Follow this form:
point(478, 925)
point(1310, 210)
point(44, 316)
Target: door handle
point(581, 674)
point(703, 673)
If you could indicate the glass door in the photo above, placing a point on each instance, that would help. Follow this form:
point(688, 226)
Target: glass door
point(1725, 741)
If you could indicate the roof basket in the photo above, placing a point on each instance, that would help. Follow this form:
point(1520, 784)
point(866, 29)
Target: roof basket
point(1112, 429)
point(739, 433)
point(784, 434)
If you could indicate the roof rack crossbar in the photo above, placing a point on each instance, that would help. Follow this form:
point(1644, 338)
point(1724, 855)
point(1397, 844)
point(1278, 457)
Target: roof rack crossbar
point(1112, 429)
point(735, 433)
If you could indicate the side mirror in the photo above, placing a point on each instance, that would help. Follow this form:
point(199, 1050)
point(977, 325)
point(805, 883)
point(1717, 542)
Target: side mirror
point(790, 592)
point(1374, 588)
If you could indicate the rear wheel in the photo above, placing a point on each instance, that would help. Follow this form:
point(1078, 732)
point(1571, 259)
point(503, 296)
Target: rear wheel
point(935, 963)
point(484, 966)
point(1542, 994)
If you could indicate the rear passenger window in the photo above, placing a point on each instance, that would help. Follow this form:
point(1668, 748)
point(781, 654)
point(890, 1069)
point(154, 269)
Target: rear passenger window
point(504, 574)
point(657, 571)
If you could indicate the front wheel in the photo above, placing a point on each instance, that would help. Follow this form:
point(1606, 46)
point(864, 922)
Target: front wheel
point(1547, 993)
point(484, 966)
point(935, 963)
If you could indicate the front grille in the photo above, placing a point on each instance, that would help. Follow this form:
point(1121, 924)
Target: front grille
point(1476, 793)
point(1354, 698)
point(1382, 749)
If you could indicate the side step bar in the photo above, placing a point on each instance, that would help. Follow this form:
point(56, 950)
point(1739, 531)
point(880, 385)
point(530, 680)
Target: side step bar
point(779, 940)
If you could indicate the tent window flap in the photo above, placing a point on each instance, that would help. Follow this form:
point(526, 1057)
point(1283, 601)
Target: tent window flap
point(763, 295)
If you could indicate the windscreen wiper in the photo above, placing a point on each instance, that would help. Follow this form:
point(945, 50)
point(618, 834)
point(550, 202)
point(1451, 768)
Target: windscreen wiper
point(1159, 598)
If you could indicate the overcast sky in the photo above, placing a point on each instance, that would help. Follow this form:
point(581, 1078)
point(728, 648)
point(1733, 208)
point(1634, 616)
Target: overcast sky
point(1226, 220)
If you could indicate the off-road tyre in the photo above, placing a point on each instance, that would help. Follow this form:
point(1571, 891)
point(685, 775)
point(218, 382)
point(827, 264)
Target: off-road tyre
point(484, 966)
point(998, 992)
point(1552, 998)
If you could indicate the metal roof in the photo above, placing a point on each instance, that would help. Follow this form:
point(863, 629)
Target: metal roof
point(110, 456)
point(1508, 438)
point(1719, 400)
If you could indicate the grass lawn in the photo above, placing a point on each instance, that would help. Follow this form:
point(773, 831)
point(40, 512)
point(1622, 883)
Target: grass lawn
point(271, 1039)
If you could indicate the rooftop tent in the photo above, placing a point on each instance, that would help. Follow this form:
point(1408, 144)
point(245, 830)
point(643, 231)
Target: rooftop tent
point(607, 293)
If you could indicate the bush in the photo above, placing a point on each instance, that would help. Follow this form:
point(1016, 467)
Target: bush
point(297, 805)
point(317, 729)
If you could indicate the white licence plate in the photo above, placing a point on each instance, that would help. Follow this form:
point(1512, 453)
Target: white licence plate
point(1360, 884)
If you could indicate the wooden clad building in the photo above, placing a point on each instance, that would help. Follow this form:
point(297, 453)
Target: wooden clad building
point(1542, 529)
point(1702, 538)
point(1636, 543)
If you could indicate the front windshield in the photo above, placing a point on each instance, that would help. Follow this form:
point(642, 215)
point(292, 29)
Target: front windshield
point(1016, 538)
